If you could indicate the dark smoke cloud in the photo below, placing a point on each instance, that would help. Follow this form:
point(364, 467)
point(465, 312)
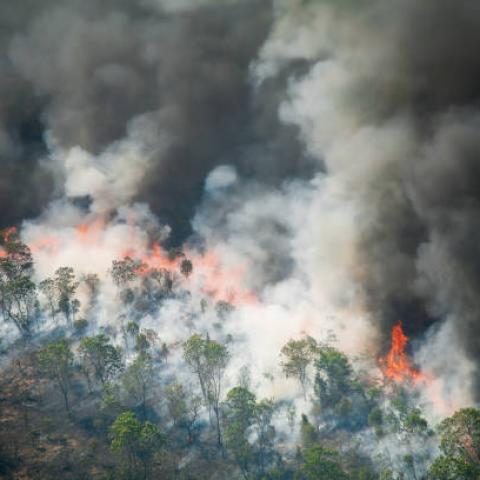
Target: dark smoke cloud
point(84, 70)
point(392, 106)
point(422, 257)
point(92, 67)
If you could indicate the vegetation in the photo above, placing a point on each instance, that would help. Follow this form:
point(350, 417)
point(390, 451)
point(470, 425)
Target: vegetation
point(84, 402)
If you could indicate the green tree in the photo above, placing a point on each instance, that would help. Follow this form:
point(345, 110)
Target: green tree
point(460, 447)
point(125, 271)
point(407, 422)
point(264, 410)
point(132, 329)
point(56, 362)
point(18, 299)
point(320, 463)
point(308, 433)
point(100, 360)
point(243, 417)
point(208, 360)
point(297, 355)
point(66, 286)
point(341, 396)
point(136, 443)
point(239, 416)
point(49, 291)
point(333, 376)
point(183, 409)
point(138, 381)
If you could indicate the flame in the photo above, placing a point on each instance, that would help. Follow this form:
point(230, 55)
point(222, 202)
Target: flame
point(223, 284)
point(396, 365)
point(8, 232)
point(211, 275)
point(5, 236)
point(46, 243)
point(159, 259)
point(89, 232)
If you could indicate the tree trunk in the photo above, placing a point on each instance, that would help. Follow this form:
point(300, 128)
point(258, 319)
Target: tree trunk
point(217, 418)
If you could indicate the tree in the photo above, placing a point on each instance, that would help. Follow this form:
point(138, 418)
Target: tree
point(18, 300)
point(407, 422)
point(125, 271)
point(66, 287)
point(100, 360)
point(244, 416)
point(239, 408)
point(56, 362)
point(142, 343)
point(49, 291)
point(183, 409)
point(308, 433)
point(265, 432)
point(297, 355)
point(137, 381)
point(333, 376)
point(186, 267)
point(208, 360)
point(321, 463)
point(132, 328)
point(92, 281)
point(341, 396)
point(460, 447)
point(161, 281)
point(136, 443)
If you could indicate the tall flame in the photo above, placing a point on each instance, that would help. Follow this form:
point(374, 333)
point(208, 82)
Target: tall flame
point(396, 365)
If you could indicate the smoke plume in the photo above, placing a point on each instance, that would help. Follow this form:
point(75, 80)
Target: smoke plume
point(326, 151)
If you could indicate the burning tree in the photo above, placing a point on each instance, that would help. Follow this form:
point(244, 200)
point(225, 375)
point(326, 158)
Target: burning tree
point(18, 299)
point(396, 365)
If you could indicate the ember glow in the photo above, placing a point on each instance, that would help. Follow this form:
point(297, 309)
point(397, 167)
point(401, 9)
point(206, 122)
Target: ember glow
point(212, 276)
point(5, 237)
point(396, 365)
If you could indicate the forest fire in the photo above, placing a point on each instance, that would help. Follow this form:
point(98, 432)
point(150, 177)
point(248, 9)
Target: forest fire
point(5, 237)
point(209, 274)
point(89, 232)
point(396, 365)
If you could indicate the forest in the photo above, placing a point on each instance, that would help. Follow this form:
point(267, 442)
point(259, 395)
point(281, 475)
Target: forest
point(239, 239)
point(81, 402)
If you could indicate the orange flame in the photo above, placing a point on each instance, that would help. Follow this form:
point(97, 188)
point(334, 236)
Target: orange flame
point(158, 258)
point(215, 279)
point(8, 232)
point(396, 365)
point(5, 236)
point(223, 284)
point(89, 232)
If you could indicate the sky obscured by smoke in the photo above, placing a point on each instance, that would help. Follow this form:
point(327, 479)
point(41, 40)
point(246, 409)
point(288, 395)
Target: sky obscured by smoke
point(333, 144)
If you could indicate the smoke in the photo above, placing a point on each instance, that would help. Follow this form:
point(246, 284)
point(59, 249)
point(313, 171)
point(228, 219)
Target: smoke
point(390, 106)
point(319, 157)
point(93, 73)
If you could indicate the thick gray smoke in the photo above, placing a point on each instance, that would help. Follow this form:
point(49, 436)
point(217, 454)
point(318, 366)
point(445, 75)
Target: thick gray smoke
point(84, 71)
point(333, 142)
point(392, 107)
